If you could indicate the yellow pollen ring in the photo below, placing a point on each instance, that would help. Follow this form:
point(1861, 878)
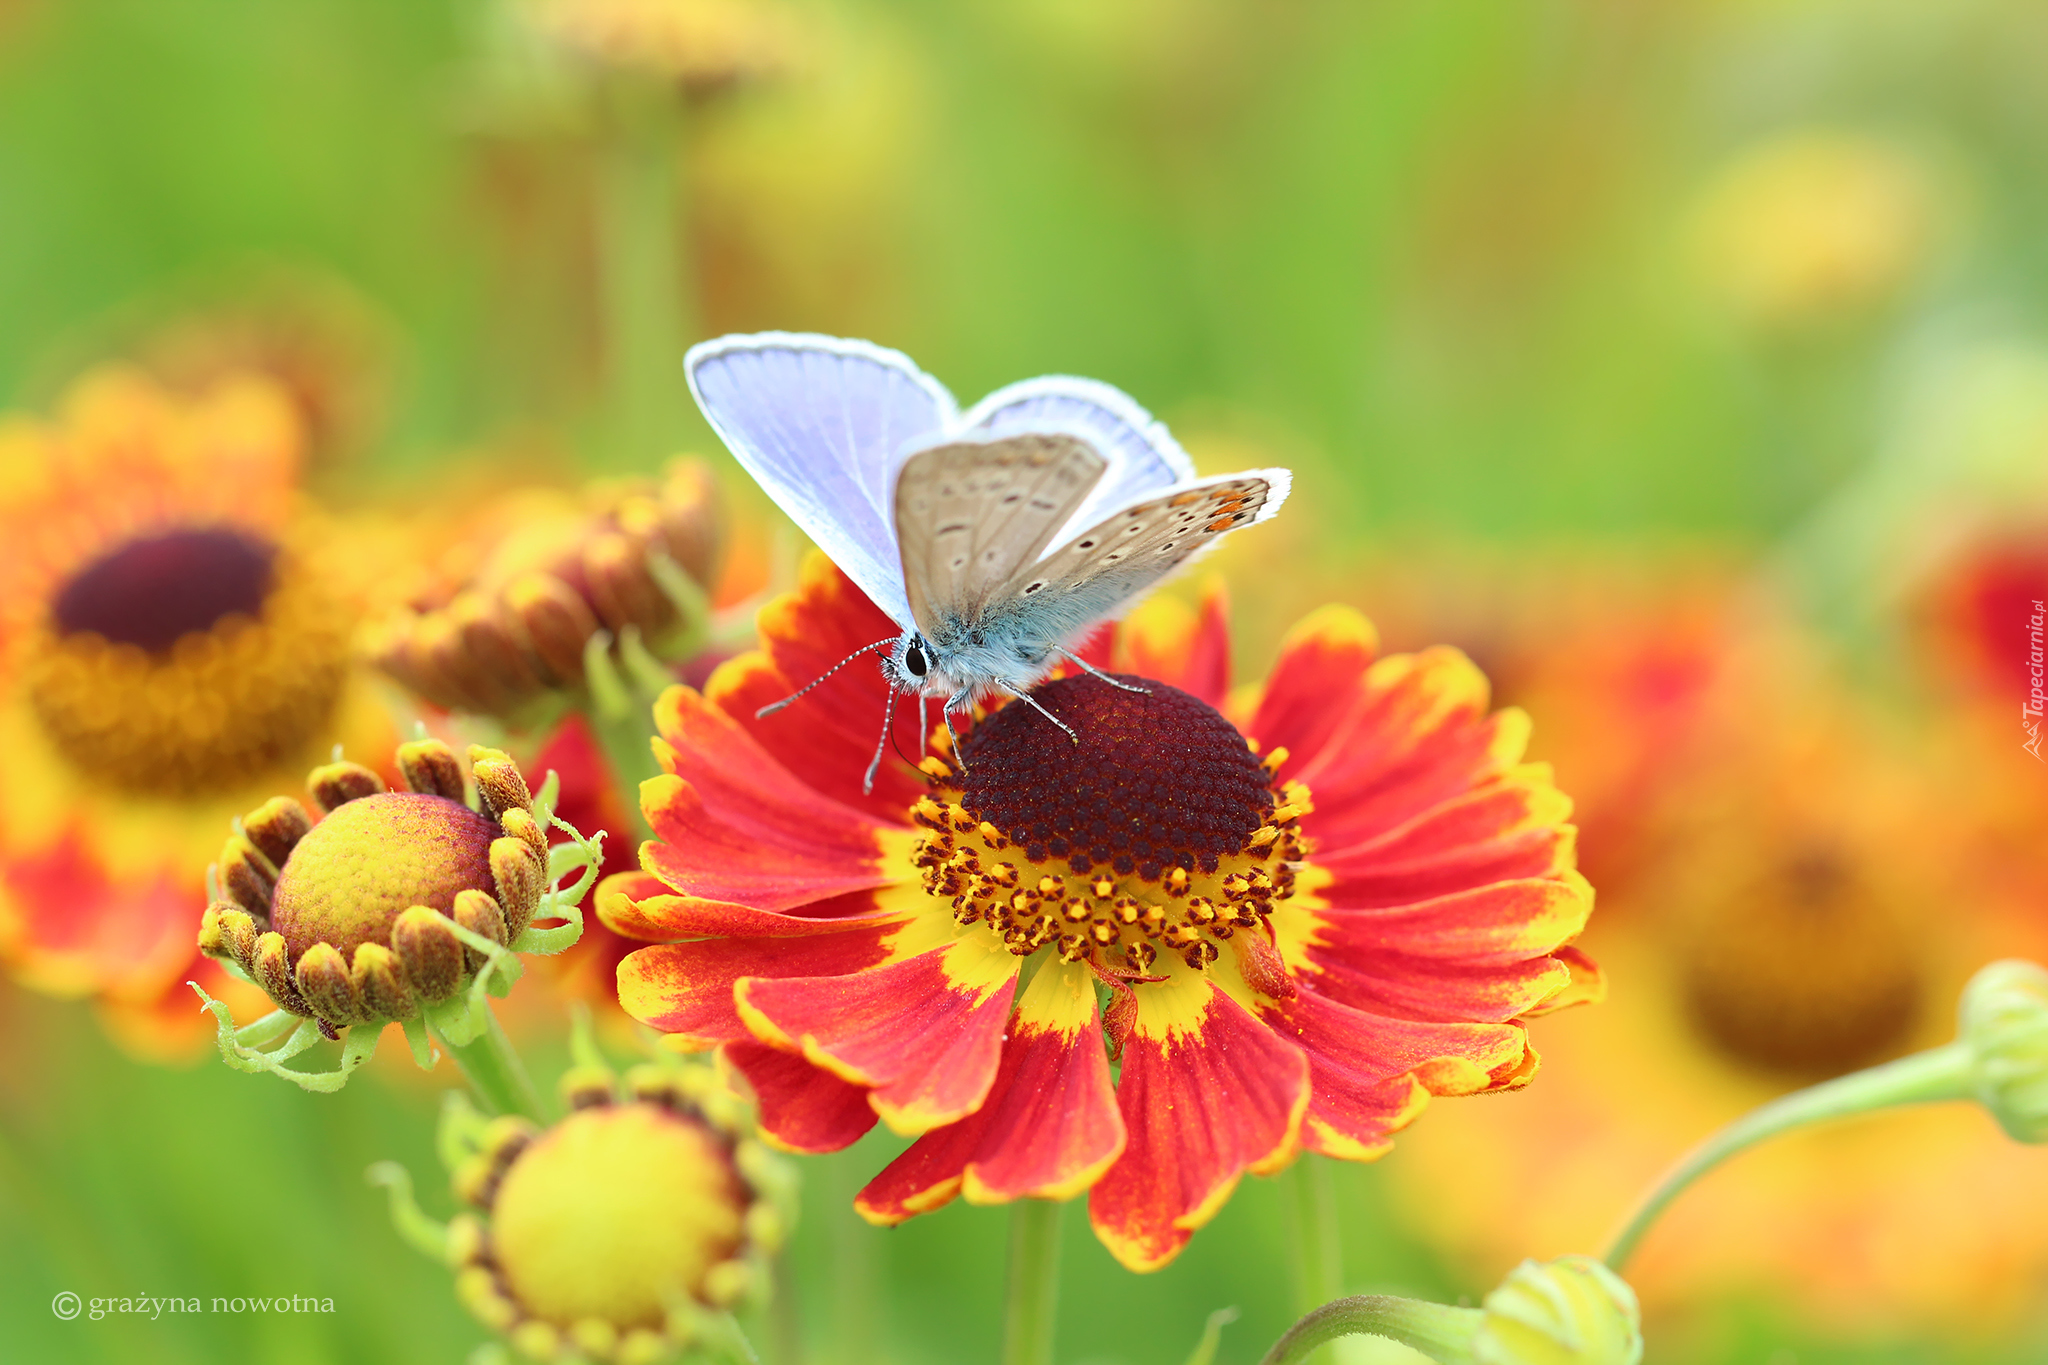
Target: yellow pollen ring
point(216, 708)
point(1116, 924)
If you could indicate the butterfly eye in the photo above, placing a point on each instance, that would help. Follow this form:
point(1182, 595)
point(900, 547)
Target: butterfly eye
point(913, 659)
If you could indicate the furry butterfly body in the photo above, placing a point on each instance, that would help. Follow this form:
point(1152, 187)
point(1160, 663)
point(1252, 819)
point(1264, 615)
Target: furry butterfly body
point(997, 538)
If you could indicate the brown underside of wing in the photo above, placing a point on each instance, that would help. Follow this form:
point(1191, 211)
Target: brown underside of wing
point(1145, 542)
point(972, 514)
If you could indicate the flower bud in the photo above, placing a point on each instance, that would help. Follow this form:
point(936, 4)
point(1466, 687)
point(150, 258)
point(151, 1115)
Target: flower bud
point(2004, 1023)
point(1571, 1311)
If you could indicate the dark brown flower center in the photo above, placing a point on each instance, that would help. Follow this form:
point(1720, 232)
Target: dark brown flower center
point(1158, 779)
point(150, 591)
point(1805, 971)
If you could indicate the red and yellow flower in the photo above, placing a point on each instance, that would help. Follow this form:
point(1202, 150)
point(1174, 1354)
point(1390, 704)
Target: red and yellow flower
point(173, 637)
point(1286, 951)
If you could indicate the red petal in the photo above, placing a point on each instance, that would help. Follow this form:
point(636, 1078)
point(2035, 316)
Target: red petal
point(1507, 829)
point(1430, 988)
point(1163, 639)
point(1048, 1129)
point(72, 925)
point(1372, 1074)
point(1477, 955)
point(1098, 648)
point(830, 735)
point(802, 1108)
point(1052, 1122)
point(1202, 1106)
point(735, 825)
point(1419, 735)
point(926, 1032)
point(1495, 925)
point(1313, 684)
point(685, 989)
point(927, 1176)
point(1587, 986)
point(661, 919)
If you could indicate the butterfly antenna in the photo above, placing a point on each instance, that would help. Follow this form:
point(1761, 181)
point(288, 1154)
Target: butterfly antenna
point(1027, 697)
point(772, 707)
point(867, 783)
point(897, 746)
point(1124, 686)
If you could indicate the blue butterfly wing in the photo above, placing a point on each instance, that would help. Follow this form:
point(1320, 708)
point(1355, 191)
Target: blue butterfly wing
point(1143, 457)
point(818, 422)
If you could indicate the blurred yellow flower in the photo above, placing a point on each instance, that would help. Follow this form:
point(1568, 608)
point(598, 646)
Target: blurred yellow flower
point(171, 642)
point(702, 44)
point(1814, 224)
point(623, 1232)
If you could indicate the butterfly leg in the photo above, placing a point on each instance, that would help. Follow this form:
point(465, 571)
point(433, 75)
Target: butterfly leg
point(1027, 697)
point(1091, 668)
point(951, 734)
point(867, 783)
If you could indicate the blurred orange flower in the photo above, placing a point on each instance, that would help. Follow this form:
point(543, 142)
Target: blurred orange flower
point(1813, 894)
point(172, 641)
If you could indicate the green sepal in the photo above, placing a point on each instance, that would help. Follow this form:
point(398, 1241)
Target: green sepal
point(240, 1048)
point(649, 676)
point(417, 1038)
point(610, 699)
point(1212, 1336)
point(462, 1018)
point(583, 1048)
point(427, 1235)
point(547, 798)
point(586, 855)
point(693, 609)
point(460, 1134)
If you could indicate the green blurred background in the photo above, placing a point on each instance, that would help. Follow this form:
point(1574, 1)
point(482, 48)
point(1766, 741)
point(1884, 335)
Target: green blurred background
point(1476, 270)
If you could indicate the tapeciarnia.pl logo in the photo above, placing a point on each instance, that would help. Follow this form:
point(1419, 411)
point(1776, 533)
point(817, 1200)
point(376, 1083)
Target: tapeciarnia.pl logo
point(2036, 701)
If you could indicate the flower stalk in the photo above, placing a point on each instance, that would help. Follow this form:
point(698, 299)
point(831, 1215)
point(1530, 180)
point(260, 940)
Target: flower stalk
point(644, 299)
point(1034, 1282)
point(1318, 1262)
point(495, 1072)
point(1999, 1059)
point(1437, 1330)
point(1570, 1311)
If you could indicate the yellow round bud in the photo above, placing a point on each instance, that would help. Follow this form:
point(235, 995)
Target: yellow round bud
point(2004, 1023)
point(1571, 1311)
point(613, 1212)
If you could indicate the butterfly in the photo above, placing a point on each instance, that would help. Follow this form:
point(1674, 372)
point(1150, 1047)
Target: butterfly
point(997, 538)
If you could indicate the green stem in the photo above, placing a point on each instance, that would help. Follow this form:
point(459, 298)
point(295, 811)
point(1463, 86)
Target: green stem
point(1318, 1251)
point(1034, 1281)
point(645, 298)
point(627, 741)
point(495, 1073)
point(1437, 1330)
point(1923, 1078)
point(856, 1257)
